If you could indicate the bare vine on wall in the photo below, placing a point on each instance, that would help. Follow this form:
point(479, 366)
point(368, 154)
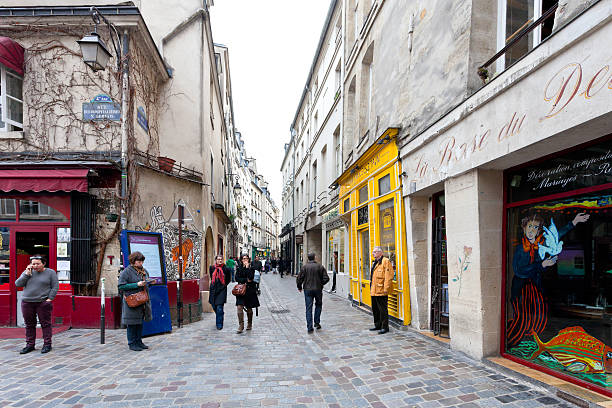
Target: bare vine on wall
point(55, 84)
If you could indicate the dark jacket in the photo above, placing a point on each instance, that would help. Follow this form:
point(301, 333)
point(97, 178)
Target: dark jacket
point(313, 276)
point(257, 266)
point(244, 275)
point(218, 292)
point(128, 284)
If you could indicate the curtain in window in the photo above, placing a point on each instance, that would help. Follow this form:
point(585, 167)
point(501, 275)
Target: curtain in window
point(11, 55)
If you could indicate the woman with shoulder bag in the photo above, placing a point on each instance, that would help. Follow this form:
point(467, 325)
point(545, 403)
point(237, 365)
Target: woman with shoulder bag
point(132, 281)
point(220, 277)
point(244, 275)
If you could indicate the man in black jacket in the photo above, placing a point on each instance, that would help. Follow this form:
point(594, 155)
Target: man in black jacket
point(312, 278)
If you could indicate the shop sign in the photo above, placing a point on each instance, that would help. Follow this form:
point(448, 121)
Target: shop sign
point(101, 107)
point(362, 171)
point(141, 118)
point(331, 214)
point(575, 89)
point(589, 166)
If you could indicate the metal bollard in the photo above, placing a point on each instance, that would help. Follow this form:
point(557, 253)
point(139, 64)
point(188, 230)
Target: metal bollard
point(102, 312)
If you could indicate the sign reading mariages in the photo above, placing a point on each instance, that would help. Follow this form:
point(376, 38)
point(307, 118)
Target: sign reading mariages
point(101, 107)
point(586, 167)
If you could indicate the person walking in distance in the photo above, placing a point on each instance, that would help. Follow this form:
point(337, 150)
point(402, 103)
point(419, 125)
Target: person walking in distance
point(380, 285)
point(312, 278)
point(257, 265)
point(231, 266)
point(40, 285)
point(219, 279)
point(335, 272)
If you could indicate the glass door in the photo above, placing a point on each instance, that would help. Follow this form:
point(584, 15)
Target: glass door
point(364, 265)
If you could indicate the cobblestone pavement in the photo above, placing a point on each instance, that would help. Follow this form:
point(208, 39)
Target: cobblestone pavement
point(276, 364)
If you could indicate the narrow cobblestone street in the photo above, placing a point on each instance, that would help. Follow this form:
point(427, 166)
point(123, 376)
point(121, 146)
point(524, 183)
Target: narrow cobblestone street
point(277, 364)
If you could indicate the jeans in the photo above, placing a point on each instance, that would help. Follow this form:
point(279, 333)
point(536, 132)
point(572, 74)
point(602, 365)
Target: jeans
point(309, 296)
point(233, 271)
point(380, 312)
point(333, 289)
point(134, 334)
point(43, 310)
point(219, 315)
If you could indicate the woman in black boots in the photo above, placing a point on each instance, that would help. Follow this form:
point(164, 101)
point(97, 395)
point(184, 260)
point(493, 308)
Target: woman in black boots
point(245, 274)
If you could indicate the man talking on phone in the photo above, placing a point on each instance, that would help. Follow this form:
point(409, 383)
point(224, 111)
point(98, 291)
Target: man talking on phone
point(40, 286)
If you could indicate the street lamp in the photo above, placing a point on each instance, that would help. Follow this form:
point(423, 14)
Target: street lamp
point(237, 185)
point(95, 53)
point(96, 56)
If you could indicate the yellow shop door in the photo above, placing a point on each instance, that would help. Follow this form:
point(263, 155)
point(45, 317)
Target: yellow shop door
point(364, 265)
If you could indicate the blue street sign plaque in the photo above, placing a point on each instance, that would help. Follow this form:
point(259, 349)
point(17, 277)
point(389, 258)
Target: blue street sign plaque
point(101, 107)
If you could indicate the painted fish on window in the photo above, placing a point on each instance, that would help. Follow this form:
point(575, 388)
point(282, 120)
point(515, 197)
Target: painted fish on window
point(577, 351)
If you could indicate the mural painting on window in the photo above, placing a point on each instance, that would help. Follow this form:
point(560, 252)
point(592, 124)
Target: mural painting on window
point(559, 276)
point(191, 246)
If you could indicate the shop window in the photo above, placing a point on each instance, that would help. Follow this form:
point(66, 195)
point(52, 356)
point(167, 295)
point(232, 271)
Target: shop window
point(364, 244)
point(11, 100)
point(4, 256)
point(363, 194)
point(384, 184)
point(362, 215)
point(347, 205)
point(7, 209)
point(30, 210)
point(335, 250)
point(560, 265)
point(386, 222)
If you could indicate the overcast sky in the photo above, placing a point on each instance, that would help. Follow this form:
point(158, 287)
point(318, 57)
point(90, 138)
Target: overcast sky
point(271, 46)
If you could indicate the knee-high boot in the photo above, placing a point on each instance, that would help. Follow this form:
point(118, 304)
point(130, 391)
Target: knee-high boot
point(250, 318)
point(240, 310)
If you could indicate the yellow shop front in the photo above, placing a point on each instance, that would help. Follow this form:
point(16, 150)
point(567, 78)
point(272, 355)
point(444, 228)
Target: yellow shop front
point(371, 203)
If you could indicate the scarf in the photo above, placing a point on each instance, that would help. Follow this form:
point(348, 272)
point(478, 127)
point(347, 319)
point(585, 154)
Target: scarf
point(218, 274)
point(532, 247)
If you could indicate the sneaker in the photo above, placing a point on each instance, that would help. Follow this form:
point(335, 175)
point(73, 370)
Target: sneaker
point(317, 326)
point(143, 346)
point(46, 348)
point(310, 330)
point(27, 349)
point(135, 348)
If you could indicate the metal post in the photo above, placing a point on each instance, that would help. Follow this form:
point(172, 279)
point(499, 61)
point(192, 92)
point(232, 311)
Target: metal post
point(102, 312)
point(179, 300)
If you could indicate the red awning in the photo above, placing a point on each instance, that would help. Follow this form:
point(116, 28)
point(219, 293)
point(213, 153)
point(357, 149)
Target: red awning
point(11, 55)
point(44, 180)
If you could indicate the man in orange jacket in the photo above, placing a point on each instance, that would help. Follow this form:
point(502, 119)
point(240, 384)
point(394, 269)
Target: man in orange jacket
point(380, 284)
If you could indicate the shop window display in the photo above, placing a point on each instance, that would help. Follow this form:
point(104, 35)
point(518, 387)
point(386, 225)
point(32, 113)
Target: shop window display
point(559, 267)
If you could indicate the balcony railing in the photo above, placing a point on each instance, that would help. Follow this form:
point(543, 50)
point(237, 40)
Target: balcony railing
point(483, 71)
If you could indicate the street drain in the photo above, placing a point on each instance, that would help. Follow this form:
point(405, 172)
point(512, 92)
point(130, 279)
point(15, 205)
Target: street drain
point(279, 311)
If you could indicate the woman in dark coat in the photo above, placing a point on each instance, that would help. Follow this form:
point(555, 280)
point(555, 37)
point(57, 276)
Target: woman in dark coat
point(245, 274)
point(220, 277)
point(134, 279)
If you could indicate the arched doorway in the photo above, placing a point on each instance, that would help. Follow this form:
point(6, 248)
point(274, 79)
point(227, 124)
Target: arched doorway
point(209, 247)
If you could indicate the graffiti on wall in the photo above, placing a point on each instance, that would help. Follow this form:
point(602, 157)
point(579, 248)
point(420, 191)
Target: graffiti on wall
point(191, 247)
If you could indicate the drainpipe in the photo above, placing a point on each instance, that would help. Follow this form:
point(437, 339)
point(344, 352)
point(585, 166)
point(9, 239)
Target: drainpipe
point(124, 135)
